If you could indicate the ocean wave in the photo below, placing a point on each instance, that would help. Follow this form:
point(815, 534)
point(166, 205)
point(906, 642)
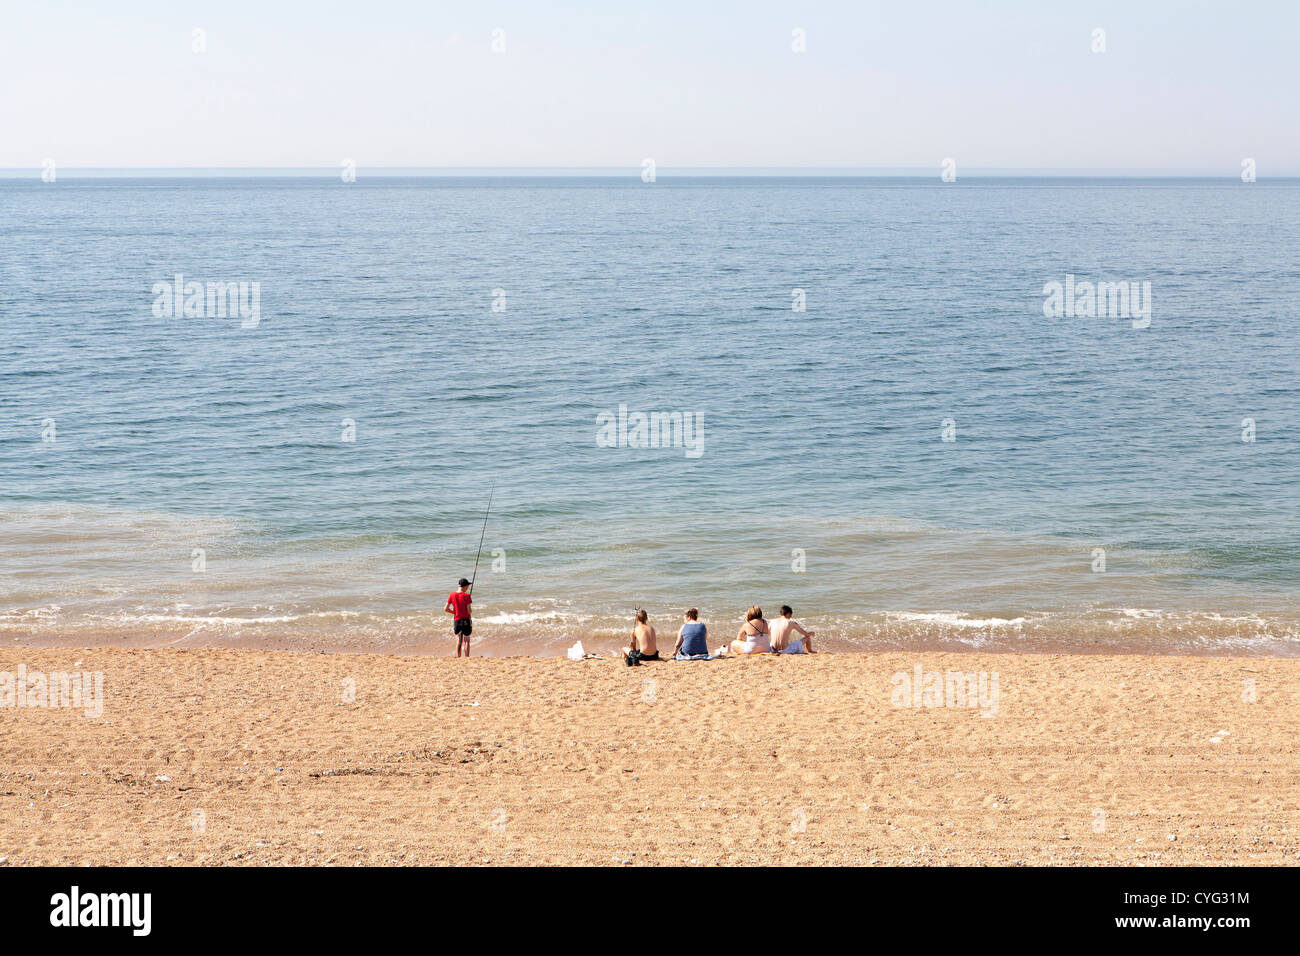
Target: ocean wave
point(954, 620)
point(547, 631)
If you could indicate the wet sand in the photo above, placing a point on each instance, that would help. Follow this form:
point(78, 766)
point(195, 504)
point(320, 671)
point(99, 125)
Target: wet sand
point(231, 757)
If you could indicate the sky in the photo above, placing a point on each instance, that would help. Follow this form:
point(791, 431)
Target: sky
point(1181, 87)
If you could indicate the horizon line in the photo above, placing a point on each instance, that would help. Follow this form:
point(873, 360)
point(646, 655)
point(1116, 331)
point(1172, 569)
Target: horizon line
point(883, 172)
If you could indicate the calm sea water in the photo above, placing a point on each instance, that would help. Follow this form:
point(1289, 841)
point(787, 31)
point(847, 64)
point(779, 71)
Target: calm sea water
point(822, 478)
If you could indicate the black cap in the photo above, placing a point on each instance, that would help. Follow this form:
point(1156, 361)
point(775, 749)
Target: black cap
point(463, 582)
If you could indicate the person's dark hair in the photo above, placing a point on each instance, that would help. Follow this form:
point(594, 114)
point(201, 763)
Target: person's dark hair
point(786, 610)
point(641, 615)
point(693, 614)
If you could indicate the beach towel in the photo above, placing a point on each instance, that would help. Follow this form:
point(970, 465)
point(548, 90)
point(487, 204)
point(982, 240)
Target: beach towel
point(694, 657)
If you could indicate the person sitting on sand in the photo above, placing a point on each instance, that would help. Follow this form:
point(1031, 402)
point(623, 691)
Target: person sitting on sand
point(754, 636)
point(643, 638)
point(692, 638)
point(781, 629)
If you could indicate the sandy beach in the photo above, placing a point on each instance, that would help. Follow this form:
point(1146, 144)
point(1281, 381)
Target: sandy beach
point(218, 757)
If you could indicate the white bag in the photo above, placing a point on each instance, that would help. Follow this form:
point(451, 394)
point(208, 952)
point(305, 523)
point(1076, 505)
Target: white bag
point(576, 653)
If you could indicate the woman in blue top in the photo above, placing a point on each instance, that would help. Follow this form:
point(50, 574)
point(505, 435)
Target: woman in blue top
point(693, 638)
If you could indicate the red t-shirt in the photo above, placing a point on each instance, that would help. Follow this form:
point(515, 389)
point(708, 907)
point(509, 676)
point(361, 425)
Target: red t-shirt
point(460, 602)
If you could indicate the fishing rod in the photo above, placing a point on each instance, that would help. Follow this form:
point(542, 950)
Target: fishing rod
point(473, 576)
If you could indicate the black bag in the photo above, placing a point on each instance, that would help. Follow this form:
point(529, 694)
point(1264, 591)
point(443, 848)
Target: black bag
point(633, 659)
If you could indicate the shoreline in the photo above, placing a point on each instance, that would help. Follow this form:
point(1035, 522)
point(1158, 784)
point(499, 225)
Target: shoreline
point(493, 647)
point(233, 757)
point(607, 653)
point(551, 634)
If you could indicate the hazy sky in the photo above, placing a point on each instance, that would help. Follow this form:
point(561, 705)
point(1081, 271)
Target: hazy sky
point(1182, 85)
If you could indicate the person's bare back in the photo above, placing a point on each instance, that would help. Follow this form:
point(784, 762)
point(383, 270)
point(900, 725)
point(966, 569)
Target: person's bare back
point(644, 638)
point(783, 627)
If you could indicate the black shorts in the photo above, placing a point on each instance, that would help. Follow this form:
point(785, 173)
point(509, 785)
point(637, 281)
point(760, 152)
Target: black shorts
point(463, 628)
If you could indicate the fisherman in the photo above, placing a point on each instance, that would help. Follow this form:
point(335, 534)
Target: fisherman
point(462, 626)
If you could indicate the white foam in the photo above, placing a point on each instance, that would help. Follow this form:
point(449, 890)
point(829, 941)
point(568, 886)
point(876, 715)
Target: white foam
point(955, 620)
point(529, 617)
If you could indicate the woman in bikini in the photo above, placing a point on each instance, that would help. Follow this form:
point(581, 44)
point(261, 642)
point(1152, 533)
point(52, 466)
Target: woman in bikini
point(755, 637)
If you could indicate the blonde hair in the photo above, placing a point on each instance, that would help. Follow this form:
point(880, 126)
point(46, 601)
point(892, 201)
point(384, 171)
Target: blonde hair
point(753, 613)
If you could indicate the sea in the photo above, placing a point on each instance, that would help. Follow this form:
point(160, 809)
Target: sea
point(270, 411)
